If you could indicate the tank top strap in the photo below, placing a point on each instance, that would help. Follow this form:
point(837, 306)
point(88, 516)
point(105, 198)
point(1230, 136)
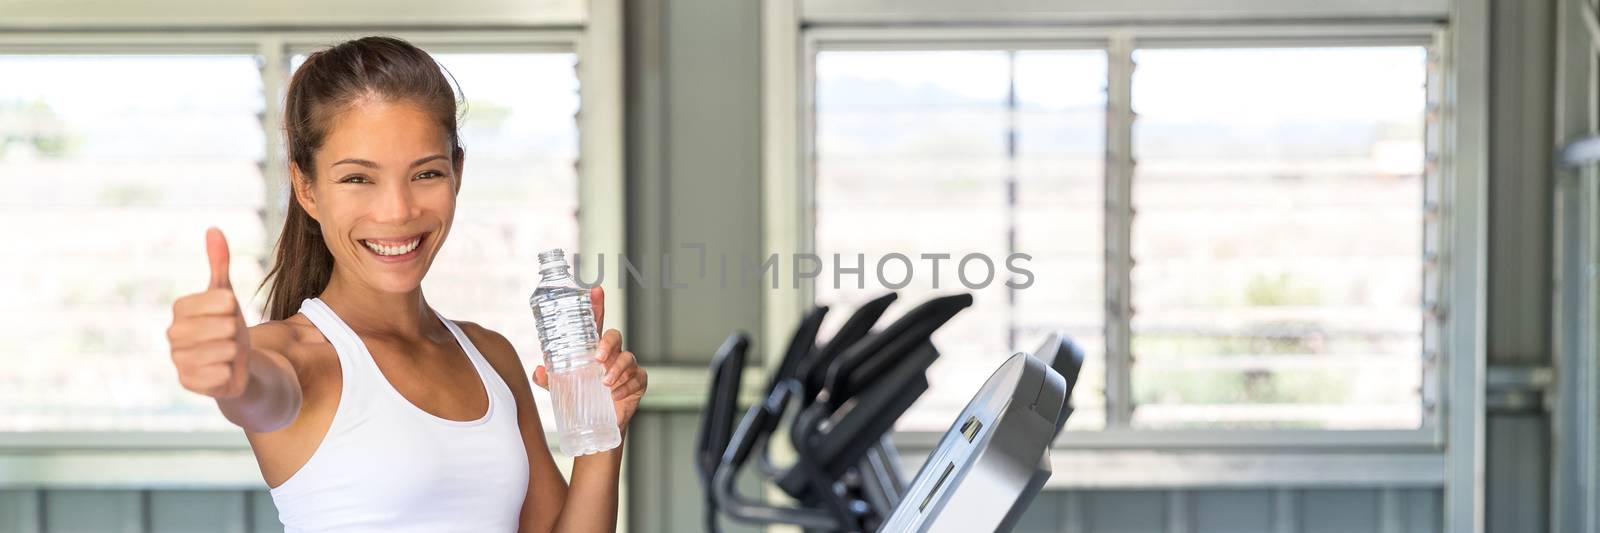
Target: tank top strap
point(340, 335)
point(353, 363)
point(491, 378)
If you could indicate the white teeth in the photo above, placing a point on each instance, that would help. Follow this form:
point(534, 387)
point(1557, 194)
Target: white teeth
point(382, 249)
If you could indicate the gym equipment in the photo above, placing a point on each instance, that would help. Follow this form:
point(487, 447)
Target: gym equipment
point(803, 368)
point(992, 462)
point(845, 465)
point(871, 385)
point(848, 393)
point(1066, 358)
point(716, 423)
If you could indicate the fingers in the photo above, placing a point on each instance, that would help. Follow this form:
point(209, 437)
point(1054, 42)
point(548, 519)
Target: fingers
point(196, 330)
point(215, 368)
point(597, 300)
point(610, 343)
point(623, 374)
point(217, 381)
point(207, 381)
point(624, 365)
point(217, 253)
point(205, 354)
point(210, 302)
point(541, 378)
point(638, 380)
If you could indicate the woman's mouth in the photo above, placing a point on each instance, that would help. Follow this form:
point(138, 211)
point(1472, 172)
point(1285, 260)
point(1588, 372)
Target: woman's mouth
point(395, 250)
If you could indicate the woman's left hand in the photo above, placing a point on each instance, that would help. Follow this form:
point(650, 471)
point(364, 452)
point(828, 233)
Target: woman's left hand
point(624, 376)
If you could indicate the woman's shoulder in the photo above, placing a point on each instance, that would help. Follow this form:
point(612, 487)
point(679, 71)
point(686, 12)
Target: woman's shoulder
point(489, 342)
point(495, 347)
point(295, 337)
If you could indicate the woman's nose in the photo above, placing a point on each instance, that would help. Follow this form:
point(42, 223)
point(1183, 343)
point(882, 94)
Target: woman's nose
point(397, 203)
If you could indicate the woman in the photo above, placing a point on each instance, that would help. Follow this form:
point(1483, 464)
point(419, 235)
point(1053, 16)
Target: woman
point(368, 411)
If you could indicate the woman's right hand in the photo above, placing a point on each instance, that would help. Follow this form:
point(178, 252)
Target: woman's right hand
point(210, 344)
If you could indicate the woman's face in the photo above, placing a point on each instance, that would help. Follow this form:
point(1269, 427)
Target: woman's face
point(384, 192)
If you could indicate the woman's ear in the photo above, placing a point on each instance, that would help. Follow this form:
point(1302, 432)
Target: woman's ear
point(301, 185)
point(459, 163)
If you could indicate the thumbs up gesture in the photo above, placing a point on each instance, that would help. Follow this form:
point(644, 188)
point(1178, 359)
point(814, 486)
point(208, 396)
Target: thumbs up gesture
point(210, 344)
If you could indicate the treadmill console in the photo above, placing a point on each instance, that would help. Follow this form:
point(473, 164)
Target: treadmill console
point(993, 460)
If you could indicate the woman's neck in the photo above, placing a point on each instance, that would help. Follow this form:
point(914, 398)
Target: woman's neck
point(364, 308)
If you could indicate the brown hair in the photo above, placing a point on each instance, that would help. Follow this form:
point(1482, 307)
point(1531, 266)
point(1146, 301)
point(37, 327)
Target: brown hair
point(382, 67)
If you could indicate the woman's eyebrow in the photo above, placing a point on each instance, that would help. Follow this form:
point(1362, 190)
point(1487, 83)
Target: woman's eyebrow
point(419, 162)
point(369, 164)
point(354, 161)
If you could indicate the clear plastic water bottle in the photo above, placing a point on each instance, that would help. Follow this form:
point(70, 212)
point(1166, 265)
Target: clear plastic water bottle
point(585, 418)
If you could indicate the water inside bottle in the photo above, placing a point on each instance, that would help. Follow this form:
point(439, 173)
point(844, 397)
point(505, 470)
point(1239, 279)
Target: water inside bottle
point(586, 420)
point(584, 411)
point(566, 326)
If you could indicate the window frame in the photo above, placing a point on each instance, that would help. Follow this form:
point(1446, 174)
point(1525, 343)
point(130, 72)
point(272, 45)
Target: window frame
point(1419, 454)
point(156, 459)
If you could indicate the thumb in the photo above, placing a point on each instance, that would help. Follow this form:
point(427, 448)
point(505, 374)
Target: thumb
point(217, 252)
point(597, 301)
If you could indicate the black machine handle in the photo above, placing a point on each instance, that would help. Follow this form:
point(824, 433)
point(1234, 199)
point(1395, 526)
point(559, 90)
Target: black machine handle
point(814, 371)
point(716, 423)
point(844, 440)
point(877, 371)
point(863, 362)
point(811, 371)
point(801, 347)
point(726, 495)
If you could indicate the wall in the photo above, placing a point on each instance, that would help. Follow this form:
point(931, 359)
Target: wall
point(694, 102)
point(1522, 90)
point(135, 511)
point(714, 44)
point(693, 128)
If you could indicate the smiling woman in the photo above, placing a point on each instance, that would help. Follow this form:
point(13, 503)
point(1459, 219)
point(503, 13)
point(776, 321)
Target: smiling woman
point(389, 218)
point(367, 409)
point(368, 95)
point(92, 161)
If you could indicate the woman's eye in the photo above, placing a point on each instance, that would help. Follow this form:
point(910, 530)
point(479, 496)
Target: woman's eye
point(354, 179)
point(429, 175)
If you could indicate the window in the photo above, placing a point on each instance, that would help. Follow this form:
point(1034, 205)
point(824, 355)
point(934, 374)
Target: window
point(959, 152)
point(118, 186)
point(1279, 236)
point(108, 193)
point(519, 193)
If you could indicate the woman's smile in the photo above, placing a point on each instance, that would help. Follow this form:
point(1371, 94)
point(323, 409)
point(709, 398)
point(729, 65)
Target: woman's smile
point(395, 249)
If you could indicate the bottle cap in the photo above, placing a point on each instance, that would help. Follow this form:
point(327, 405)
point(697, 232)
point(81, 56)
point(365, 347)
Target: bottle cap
point(552, 261)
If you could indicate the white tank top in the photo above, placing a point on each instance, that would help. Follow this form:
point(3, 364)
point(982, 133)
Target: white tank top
point(388, 466)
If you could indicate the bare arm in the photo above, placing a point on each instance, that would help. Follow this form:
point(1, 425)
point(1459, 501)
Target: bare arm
point(271, 398)
point(592, 501)
point(589, 503)
point(217, 356)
